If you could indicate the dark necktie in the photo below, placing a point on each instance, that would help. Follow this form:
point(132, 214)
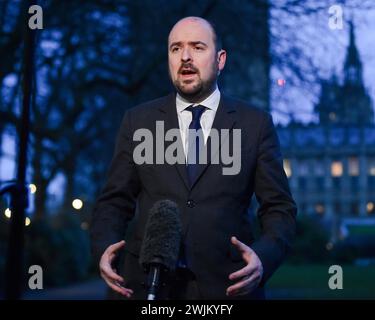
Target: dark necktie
point(193, 157)
point(192, 167)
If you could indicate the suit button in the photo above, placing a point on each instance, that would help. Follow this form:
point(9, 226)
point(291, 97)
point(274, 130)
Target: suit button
point(190, 203)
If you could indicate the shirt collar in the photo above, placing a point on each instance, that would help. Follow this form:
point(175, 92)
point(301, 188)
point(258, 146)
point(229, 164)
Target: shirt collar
point(211, 102)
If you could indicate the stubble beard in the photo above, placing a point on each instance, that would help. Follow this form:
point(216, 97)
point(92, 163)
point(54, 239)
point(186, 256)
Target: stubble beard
point(200, 90)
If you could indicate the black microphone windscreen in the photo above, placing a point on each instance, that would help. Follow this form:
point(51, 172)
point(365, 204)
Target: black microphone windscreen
point(162, 238)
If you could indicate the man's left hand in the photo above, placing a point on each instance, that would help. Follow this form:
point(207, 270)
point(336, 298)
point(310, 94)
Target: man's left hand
point(249, 277)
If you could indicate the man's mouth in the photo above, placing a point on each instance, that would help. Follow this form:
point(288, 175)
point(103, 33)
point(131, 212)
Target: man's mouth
point(187, 73)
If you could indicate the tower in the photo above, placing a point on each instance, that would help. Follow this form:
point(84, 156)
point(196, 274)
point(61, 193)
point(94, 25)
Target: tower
point(349, 103)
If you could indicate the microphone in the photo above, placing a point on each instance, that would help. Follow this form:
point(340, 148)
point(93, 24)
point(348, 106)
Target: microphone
point(161, 243)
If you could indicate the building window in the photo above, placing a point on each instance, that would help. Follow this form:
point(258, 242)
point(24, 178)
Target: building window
point(319, 167)
point(319, 184)
point(287, 168)
point(332, 116)
point(354, 184)
point(303, 169)
point(302, 183)
point(371, 167)
point(370, 208)
point(319, 208)
point(336, 182)
point(336, 169)
point(353, 166)
point(371, 182)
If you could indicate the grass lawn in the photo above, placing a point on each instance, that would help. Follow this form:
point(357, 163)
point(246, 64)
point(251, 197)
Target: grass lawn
point(361, 230)
point(311, 282)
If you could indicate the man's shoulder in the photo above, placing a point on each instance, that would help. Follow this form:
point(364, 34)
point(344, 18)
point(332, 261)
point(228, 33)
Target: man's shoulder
point(154, 104)
point(244, 108)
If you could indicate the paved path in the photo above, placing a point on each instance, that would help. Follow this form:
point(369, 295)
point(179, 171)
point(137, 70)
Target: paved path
point(91, 290)
point(96, 290)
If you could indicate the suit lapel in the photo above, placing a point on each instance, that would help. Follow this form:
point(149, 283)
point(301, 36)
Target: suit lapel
point(171, 122)
point(224, 119)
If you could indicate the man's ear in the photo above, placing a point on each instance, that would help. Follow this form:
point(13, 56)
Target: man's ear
point(221, 58)
point(219, 53)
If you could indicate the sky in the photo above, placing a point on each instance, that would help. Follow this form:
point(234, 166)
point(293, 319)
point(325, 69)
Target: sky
point(327, 48)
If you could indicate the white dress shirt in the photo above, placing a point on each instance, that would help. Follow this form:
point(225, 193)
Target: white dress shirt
point(207, 118)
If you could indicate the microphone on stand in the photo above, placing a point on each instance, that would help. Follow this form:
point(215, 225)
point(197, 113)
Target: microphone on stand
point(161, 244)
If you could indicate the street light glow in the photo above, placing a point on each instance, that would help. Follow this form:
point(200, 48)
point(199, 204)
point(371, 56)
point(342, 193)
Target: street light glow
point(32, 187)
point(77, 204)
point(8, 213)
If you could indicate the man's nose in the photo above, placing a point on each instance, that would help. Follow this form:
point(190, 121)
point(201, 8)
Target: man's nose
point(186, 56)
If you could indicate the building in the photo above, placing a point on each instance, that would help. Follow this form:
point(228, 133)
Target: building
point(331, 165)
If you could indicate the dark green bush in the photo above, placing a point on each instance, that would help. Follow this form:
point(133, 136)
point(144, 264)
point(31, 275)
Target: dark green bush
point(60, 247)
point(310, 245)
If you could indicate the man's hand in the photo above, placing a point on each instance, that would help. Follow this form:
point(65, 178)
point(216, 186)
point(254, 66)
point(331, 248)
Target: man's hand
point(249, 277)
point(109, 274)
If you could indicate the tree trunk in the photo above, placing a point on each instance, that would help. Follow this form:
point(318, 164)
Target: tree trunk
point(69, 194)
point(39, 180)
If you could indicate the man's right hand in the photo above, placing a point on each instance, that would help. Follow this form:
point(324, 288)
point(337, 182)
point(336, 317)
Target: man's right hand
point(109, 274)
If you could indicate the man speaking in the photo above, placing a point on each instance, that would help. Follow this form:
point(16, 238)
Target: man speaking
point(218, 256)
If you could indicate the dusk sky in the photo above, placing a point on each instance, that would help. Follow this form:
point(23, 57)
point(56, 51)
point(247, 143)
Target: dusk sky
point(328, 49)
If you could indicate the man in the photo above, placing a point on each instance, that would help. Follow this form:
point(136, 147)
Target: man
point(221, 259)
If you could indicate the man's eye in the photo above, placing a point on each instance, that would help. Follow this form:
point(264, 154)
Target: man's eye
point(175, 49)
point(199, 48)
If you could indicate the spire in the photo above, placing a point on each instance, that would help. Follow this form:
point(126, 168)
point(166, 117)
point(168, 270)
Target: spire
point(349, 103)
point(353, 64)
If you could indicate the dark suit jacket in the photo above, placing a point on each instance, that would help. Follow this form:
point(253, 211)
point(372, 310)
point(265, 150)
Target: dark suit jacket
point(212, 210)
